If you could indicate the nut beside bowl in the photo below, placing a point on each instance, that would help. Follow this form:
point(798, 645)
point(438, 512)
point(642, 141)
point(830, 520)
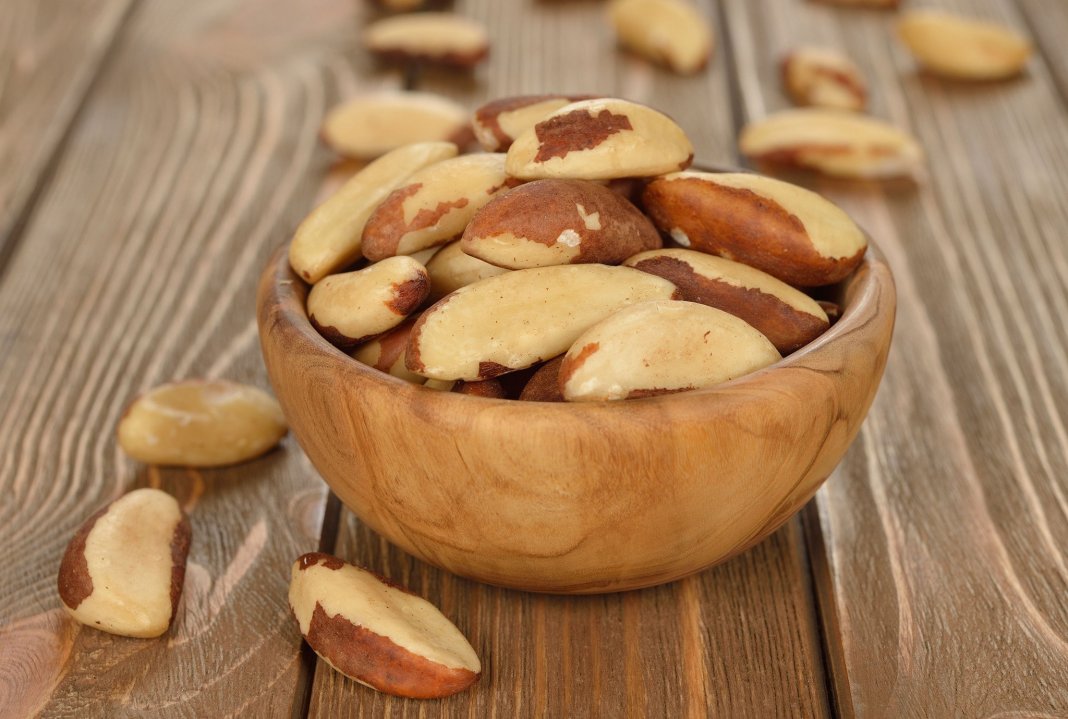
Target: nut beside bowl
point(578, 498)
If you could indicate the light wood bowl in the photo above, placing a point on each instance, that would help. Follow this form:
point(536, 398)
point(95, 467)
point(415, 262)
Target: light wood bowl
point(585, 497)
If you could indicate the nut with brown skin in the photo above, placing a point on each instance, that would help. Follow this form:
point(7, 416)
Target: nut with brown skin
point(201, 423)
point(123, 571)
point(514, 320)
point(544, 385)
point(782, 229)
point(833, 142)
point(386, 353)
point(378, 633)
point(824, 77)
point(439, 37)
point(786, 316)
point(365, 127)
point(451, 268)
point(672, 33)
point(434, 205)
point(558, 222)
point(353, 307)
point(962, 48)
point(329, 239)
point(600, 139)
point(496, 124)
point(489, 388)
point(661, 347)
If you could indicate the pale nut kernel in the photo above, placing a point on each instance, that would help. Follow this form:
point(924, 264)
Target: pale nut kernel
point(329, 239)
point(823, 77)
point(963, 48)
point(834, 142)
point(672, 33)
point(371, 125)
point(512, 321)
point(378, 633)
point(434, 205)
point(786, 316)
point(661, 347)
point(353, 307)
point(784, 230)
point(201, 423)
point(451, 268)
point(440, 37)
point(600, 139)
point(123, 571)
point(558, 222)
point(386, 353)
point(496, 124)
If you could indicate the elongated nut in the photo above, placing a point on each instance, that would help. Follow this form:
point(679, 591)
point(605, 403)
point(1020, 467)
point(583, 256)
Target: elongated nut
point(329, 239)
point(823, 77)
point(544, 385)
point(498, 123)
point(661, 347)
point(371, 125)
point(558, 222)
point(600, 140)
point(672, 33)
point(439, 37)
point(386, 353)
point(785, 230)
point(786, 316)
point(434, 205)
point(514, 320)
point(833, 142)
point(353, 307)
point(452, 268)
point(962, 48)
point(123, 571)
point(201, 423)
point(378, 633)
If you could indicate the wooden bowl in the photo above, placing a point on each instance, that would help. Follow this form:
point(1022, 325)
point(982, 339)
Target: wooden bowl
point(585, 497)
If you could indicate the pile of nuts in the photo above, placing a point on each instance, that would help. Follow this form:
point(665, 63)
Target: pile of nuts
point(529, 271)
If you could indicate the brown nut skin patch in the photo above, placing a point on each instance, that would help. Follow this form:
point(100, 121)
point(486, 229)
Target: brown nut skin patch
point(388, 225)
point(544, 386)
point(580, 221)
point(737, 224)
point(75, 584)
point(488, 116)
point(375, 660)
point(490, 388)
point(578, 130)
point(786, 327)
point(183, 537)
point(408, 295)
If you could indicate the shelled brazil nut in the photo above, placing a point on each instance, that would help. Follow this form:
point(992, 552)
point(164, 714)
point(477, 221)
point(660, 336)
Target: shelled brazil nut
point(496, 124)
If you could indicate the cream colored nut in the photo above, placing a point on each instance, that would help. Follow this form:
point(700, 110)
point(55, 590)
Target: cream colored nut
point(600, 140)
point(123, 570)
point(661, 347)
point(372, 125)
point(823, 77)
point(962, 48)
point(834, 142)
point(514, 320)
point(434, 205)
point(377, 632)
point(386, 353)
point(440, 37)
point(558, 222)
point(498, 123)
point(785, 230)
point(329, 239)
point(672, 33)
point(201, 423)
point(353, 307)
point(786, 316)
point(452, 268)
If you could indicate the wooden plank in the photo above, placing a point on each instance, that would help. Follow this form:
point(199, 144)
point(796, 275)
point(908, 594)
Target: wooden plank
point(189, 165)
point(1047, 21)
point(740, 640)
point(942, 570)
point(50, 51)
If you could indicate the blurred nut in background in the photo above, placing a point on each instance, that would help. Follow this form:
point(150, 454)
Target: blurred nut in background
point(962, 48)
point(672, 33)
point(371, 125)
point(823, 77)
point(438, 37)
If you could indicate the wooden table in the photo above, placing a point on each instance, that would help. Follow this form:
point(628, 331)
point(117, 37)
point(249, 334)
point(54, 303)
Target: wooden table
point(154, 153)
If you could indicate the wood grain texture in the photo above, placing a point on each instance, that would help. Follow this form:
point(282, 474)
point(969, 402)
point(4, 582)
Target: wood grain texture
point(941, 538)
point(138, 266)
point(50, 51)
point(1047, 23)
